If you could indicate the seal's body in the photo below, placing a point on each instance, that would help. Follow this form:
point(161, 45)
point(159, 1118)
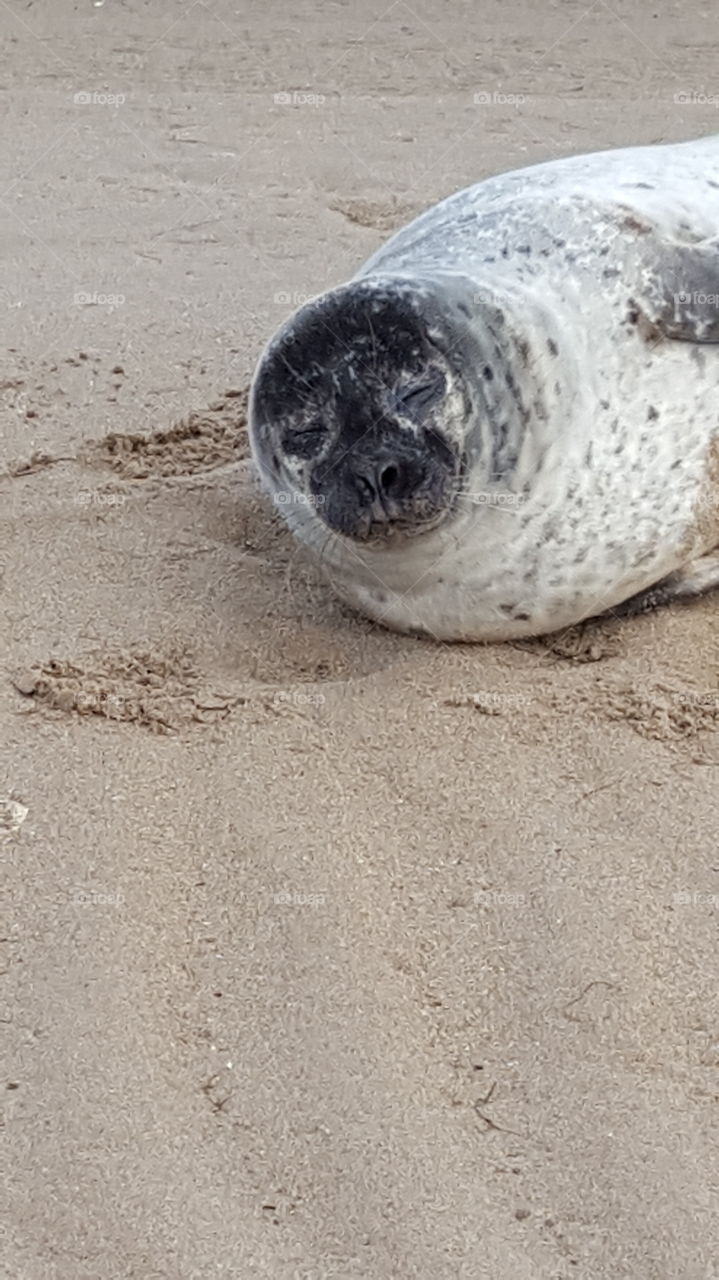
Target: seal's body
point(509, 420)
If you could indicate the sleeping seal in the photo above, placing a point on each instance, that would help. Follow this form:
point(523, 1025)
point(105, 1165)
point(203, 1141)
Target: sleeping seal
point(509, 419)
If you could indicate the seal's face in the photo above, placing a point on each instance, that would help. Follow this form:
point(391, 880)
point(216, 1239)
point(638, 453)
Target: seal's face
point(357, 412)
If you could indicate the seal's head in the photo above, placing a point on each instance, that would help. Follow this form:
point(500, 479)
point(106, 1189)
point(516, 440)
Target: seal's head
point(359, 411)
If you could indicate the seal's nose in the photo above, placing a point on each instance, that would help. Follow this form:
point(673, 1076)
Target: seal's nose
point(386, 482)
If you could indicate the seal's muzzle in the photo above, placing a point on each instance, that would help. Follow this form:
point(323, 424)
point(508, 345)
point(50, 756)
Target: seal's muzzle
point(398, 482)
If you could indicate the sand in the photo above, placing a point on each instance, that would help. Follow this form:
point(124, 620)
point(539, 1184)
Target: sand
point(325, 952)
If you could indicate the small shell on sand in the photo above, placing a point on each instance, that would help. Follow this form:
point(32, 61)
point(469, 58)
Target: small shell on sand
point(12, 816)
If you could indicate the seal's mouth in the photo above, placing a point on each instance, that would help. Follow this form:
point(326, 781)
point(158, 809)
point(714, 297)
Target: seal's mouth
point(394, 531)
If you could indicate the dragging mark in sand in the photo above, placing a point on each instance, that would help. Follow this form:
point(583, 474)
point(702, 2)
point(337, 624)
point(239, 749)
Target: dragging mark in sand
point(161, 692)
point(202, 441)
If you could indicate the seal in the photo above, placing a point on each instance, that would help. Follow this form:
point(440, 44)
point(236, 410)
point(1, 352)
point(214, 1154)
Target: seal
point(508, 420)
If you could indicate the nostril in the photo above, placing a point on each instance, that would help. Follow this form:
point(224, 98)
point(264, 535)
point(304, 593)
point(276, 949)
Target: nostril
point(388, 478)
point(365, 487)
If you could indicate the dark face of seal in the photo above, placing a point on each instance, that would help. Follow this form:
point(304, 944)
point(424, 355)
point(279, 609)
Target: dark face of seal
point(357, 410)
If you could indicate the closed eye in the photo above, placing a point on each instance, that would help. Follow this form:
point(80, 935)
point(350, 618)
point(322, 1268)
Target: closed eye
point(304, 443)
point(417, 399)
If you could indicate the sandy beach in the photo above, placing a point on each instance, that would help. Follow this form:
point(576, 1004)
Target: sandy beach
point(326, 953)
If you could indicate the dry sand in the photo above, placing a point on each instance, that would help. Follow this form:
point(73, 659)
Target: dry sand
point(325, 952)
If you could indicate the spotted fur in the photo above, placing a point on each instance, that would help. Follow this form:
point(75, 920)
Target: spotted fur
point(568, 462)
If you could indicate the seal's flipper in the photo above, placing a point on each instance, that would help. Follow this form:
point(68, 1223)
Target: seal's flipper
point(683, 292)
point(695, 579)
